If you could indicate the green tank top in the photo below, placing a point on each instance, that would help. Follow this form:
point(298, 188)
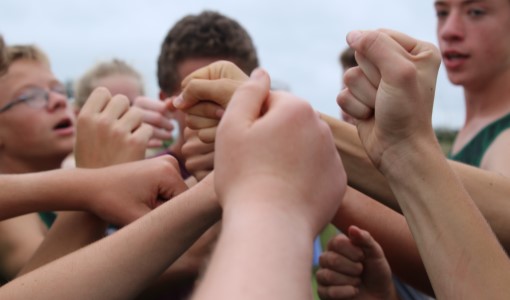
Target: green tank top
point(473, 152)
point(48, 217)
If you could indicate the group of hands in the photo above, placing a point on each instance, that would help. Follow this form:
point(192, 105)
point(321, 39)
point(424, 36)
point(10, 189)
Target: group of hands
point(245, 139)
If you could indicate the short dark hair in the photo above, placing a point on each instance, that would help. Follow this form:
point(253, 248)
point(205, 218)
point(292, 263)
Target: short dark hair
point(347, 58)
point(206, 35)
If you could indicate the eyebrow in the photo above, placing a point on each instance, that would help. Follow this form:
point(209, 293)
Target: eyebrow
point(464, 3)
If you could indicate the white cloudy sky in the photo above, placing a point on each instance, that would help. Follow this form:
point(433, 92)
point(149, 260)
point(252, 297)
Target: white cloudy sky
point(298, 41)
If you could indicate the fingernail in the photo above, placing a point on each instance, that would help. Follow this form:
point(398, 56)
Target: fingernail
point(353, 36)
point(178, 101)
point(257, 73)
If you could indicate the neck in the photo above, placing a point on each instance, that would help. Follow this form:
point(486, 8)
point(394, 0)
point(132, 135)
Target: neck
point(10, 165)
point(489, 100)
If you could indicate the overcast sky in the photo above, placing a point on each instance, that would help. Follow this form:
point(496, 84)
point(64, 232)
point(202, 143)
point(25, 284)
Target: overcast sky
point(297, 41)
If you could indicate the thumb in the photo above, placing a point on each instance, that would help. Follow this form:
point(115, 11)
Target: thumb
point(248, 101)
point(365, 241)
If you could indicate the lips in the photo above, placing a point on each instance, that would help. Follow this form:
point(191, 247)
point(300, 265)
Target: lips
point(64, 127)
point(454, 59)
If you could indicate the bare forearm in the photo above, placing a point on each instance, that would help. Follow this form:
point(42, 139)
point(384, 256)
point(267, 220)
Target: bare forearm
point(445, 221)
point(488, 190)
point(159, 238)
point(52, 190)
point(71, 231)
point(271, 252)
point(390, 230)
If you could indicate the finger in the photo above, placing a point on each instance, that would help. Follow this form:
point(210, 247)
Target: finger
point(200, 163)
point(410, 44)
point(208, 135)
point(131, 120)
point(219, 91)
point(206, 109)
point(96, 101)
point(196, 122)
point(352, 106)
point(327, 277)
point(337, 292)
point(364, 239)
point(360, 86)
point(156, 119)
point(143, 133)
point(201, 174)
point(117, 106)
point(217, 70)
point(369, 69)
point(150, 104)
point(155, 143)
point(248, 101)
point(341, 244)
point(380, 49)
point(340, 263)
point(161, 134)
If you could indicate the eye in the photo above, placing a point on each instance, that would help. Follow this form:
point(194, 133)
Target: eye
point(28, 94)
point(441, 13)
point(475, 12)
point(59, 89)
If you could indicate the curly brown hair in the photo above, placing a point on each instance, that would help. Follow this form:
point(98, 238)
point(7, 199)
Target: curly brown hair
point(206, 35)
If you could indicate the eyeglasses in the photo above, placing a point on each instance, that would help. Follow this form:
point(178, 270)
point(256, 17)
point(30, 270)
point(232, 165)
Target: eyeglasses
point(35, 97)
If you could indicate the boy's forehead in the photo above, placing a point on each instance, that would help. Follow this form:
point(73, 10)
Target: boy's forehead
point(24, 73)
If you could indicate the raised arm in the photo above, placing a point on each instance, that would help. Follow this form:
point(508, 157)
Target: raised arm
point(489, 190)
point(393, 108)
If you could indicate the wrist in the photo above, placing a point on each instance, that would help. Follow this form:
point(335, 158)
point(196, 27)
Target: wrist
point(408, 156)
point(268, 207)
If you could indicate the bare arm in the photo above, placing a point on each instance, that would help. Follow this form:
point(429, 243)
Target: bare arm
point(262, 206)
point(393, 107)
point(159, 237)
point(108, 132)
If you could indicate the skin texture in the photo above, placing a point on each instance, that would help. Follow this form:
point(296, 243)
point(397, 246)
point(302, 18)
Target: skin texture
point(481, 185)
point(292, 216)
point(43, 147)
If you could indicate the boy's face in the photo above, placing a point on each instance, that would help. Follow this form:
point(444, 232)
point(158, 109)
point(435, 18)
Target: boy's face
point(26, 132)
point(474, 39)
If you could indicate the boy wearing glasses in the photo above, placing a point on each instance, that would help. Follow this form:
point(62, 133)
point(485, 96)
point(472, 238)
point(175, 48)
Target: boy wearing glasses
point(36, 134)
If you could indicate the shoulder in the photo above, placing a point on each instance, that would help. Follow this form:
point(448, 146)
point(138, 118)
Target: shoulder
point(497, 158)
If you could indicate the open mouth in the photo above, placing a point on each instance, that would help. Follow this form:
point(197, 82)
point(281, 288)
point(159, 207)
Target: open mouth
point(66, 123)
point(455, 56)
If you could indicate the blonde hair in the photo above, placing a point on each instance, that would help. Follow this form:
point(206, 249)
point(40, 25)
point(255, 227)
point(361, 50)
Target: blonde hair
point(88, 82)
point(11, 54)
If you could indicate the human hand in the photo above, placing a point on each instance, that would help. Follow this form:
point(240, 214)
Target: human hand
point(275, 144)
point(391, 93)
point(109, 131)
point(199, 156)
point(120, 194)
point(205, 95)
point(158, 114)
point(354, 267)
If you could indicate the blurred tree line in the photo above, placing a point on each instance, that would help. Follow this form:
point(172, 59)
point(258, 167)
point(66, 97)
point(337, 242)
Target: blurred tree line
point(446, 136)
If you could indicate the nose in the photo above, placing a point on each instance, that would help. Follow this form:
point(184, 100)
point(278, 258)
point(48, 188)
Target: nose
point(451, 28)
point(56, 101)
